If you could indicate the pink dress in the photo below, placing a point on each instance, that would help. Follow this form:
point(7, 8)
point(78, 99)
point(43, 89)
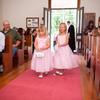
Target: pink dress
point(44, 63)
point(64, 57)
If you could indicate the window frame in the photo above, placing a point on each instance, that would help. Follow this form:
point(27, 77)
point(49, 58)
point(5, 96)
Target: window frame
point(78, 3)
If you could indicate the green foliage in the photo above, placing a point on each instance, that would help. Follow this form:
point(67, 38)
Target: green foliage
point(59, 16)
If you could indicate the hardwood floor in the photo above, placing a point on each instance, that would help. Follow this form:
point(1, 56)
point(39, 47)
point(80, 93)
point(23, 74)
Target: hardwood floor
point(16, 71)
point(88, 89)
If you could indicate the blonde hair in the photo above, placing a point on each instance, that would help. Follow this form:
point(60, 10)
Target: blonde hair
point(43, 29)
point(64, 26)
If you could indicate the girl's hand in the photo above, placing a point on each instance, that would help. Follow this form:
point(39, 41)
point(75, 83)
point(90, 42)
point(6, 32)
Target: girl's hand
point(62, 45)
point(14, 46)
point(38, 49)
point(41, 49)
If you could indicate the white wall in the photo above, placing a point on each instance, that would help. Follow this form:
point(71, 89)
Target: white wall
point(16, 11)
point(92, 6)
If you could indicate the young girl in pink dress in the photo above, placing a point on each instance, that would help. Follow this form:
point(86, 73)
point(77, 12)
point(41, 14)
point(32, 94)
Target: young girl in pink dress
point(64, 57)
point(41, 60)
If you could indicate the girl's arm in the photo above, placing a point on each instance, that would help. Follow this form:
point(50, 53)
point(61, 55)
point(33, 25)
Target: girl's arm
point(67, 38)
point(36, 45)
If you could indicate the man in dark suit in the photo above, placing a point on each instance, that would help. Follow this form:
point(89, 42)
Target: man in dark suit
point(71, 31)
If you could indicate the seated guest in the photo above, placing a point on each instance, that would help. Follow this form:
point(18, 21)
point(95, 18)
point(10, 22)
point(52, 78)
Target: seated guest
point(20, 31)
point(28, 31)
point(34, 34)
point(90, 27)
point(2, 45)
point(16, 38)
point(15, 28)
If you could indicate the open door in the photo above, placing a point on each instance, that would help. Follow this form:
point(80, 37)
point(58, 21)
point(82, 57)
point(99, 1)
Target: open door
point(53, 16)
point(79, 28)
point(47, 19)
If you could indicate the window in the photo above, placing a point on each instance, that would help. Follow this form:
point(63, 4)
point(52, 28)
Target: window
point(64, 3)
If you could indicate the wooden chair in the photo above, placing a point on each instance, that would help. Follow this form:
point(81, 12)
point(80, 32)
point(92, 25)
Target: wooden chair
point(85, 45)
point(93, 56)
point(28, 39)
point(97, 70)
point(90, 53)
point(28, 47)
point(93, 43)
point(18, 59)
point(7, 55)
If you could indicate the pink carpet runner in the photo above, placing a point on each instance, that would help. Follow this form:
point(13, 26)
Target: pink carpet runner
point(29, 87)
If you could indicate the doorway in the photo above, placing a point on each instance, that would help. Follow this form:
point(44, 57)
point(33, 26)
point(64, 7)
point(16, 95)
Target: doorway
point(54, 16)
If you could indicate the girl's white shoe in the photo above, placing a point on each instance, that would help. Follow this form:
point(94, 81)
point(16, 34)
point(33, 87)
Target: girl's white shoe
point(40, 76)
point(58, 73)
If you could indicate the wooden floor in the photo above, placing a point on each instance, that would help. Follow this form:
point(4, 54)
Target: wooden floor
point(16, 71)
point(88, 89)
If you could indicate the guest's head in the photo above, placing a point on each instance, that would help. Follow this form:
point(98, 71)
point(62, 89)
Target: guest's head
point(6, 25)
point(21, 31)
point(34, 31)
point(15, 28)
point(68, 22)
point(91, 24)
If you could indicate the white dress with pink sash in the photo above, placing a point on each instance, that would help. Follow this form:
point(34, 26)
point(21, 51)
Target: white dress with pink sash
point(42, 61)
point(64, 57)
